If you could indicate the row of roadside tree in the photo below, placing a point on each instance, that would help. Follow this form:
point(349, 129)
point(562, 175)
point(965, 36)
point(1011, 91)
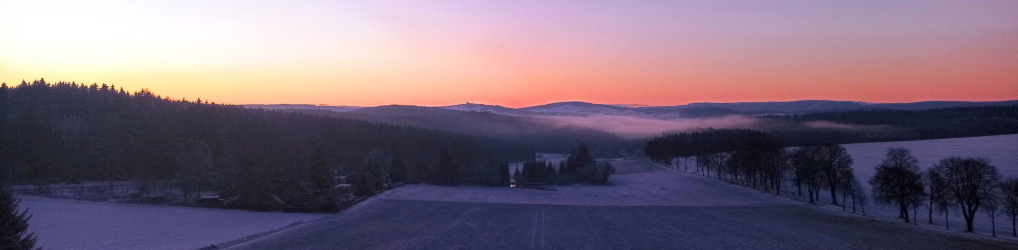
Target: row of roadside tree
point(757, 160)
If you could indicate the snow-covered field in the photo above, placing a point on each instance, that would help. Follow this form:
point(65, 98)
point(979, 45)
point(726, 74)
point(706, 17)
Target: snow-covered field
point(647, 208)
point(70, 224)
point(1001, 150)
point(638, 183)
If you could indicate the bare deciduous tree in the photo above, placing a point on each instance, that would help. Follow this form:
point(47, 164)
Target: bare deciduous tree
point(992, 207)
point(847, 187)
point(898, 181)
point(970, 182)
point(861, 198)
point(833, 159)
point(937, 195)
point(806, 167)
point(1009, 198)
point(858, 195)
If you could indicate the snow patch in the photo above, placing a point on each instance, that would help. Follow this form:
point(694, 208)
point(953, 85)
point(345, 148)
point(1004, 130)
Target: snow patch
point(69, 224)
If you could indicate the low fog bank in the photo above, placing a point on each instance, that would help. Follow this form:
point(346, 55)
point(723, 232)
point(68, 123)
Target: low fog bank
point(842, 126)
point(643, 127)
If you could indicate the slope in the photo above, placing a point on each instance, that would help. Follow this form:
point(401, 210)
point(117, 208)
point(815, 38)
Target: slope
point(673, 211)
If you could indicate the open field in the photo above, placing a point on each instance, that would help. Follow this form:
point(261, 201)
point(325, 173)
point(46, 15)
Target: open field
point(69, 224)
point(1001, 150)
point(648, 208)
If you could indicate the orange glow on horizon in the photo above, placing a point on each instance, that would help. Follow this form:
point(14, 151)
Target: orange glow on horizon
point(519, 54)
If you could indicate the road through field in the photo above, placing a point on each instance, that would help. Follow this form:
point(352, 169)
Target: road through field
point(648, 208)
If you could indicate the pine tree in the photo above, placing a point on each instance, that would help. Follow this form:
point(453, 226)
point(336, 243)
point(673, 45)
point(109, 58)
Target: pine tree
point(448, 171)
point(503, 169)
point(380, 178)
point(14, 224)
point(322, 178)
point(366, 180)
point(194, 165)
point(323, 182)
point(397, 169)
point(579, 159)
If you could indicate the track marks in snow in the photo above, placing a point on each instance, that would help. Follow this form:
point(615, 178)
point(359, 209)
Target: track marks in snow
point(645, 185)
point(700, 213)
point(434, 235)
point(538, 229)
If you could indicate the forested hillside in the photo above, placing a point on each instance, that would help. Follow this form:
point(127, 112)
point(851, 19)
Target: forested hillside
point(926, 124)
point(851, 127)
point(545, 135)
point(68, 132)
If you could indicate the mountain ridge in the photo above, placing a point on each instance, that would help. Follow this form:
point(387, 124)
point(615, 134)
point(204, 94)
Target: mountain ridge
point(691, 110)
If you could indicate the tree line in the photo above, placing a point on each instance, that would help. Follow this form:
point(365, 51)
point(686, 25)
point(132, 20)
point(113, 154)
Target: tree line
point(899, 125)
point(968, 184)
point(875, 125)
point(265, 160)
point(759, 160)
point(579, 167)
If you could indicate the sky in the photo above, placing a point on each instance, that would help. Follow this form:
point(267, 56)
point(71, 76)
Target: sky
point(519, 53)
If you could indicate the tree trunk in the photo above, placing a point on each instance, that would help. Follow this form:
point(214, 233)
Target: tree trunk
point(947, 220)
point(931, 212)
point(853, 202)
point(993, 224)
point(810, 194)
point(834, 196)
point(843, 202)
point(1013, 231)
point(904, 213)
point(968, 220)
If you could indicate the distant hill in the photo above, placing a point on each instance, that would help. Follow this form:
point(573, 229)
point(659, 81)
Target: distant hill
point(583, 108)
point(692, 110)
point(701, 110)
point(805, 106)
point(545, 135)
point(813, 106)
point(559, 127)
point(490, 109)
point(940, 104)
point(301, 106)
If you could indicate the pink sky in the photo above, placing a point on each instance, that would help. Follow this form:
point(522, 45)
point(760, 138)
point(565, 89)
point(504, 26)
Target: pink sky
point(520, 53)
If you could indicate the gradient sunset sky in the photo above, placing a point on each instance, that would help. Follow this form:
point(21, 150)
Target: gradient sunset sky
point(520, 53)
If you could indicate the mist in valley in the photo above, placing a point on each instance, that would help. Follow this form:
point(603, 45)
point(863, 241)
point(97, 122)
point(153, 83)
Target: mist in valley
point(633, 127)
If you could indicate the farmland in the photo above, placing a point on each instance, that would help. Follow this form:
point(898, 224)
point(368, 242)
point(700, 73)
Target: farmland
point(1001, 151)
point(647, 208)
point(69, 224)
